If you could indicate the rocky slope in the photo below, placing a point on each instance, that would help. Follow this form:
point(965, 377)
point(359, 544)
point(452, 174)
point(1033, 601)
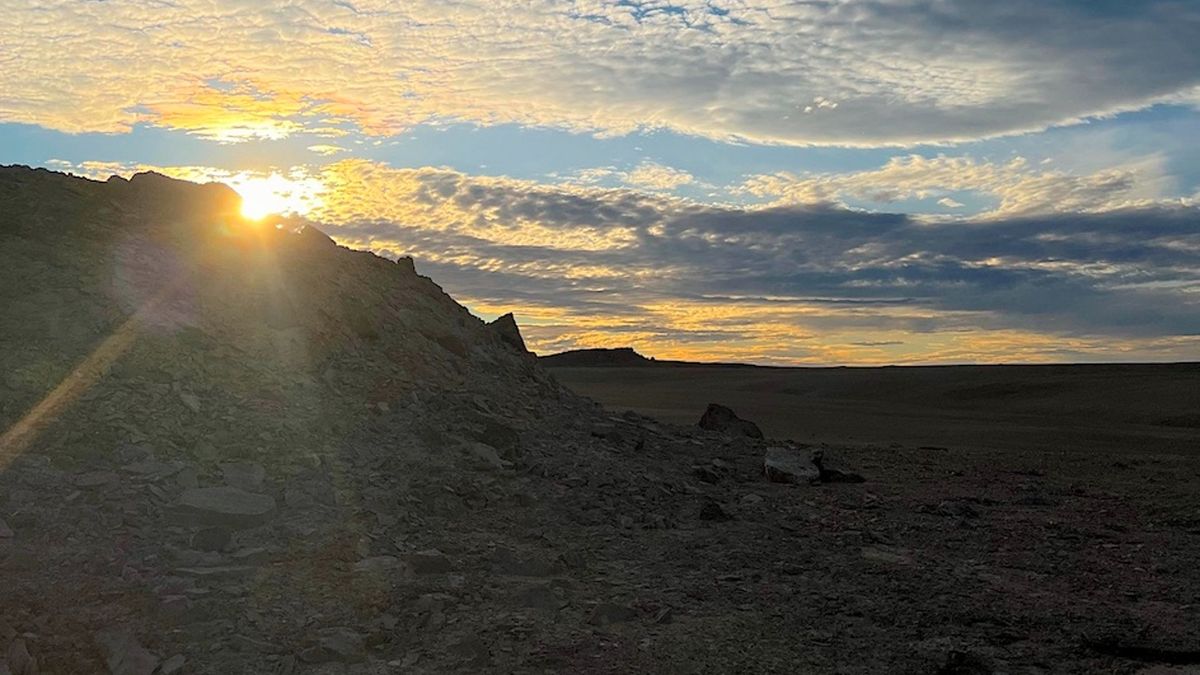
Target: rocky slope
point(236, 449)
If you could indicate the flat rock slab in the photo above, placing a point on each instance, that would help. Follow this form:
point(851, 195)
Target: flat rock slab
point(225, 506)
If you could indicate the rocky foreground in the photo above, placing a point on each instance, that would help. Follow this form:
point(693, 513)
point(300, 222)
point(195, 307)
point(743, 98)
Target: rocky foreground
point(231, 448)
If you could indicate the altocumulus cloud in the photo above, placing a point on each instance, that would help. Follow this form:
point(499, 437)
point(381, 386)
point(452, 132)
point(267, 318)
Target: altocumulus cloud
point(848, 72)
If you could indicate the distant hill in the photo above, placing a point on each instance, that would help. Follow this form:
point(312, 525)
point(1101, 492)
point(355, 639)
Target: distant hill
point(624, 357)
point(621, 357)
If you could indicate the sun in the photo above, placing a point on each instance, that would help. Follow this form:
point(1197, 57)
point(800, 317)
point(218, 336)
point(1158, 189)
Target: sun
point(277, 194)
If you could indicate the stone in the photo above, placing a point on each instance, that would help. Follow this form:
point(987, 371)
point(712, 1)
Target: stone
point(217, 572)
point(379, 565)
point(964, 663)
point(471, 650)
point(538, 596)
point(429, 562)
point(723, 420)
point(123, 654)
point(713, 511)
point(244, 475)
point(153, 470)
point(833, 475)
point(188, 478)
point(751, 499)
point(484, 456)
point(505, 439)
point(784, 465)
point(507, 562)
point(607, 613)
point(211, 539)
point(94, 479)
point(226, 507)
point(20, 661)
point(191, 401)
point(5, 531)
point(955, 509)
point(887, 556)
point(173, 665)
point(339, 644)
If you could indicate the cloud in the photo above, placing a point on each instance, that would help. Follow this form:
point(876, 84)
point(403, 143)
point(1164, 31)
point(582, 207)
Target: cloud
point(843, 72)
point(1017, 187)
point(326, 149)
point(653, 176)
point(589, 266)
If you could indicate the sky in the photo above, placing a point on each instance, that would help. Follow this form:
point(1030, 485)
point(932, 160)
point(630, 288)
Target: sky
point(826, 182)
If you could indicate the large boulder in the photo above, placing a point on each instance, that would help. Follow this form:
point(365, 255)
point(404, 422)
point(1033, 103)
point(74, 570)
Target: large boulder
point(723, 420)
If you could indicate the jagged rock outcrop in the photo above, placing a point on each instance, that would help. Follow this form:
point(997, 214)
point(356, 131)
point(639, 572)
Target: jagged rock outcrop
point(505, 328)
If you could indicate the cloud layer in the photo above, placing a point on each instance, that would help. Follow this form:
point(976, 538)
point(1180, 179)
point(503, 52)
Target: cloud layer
point(785, 282)
point(848, 72)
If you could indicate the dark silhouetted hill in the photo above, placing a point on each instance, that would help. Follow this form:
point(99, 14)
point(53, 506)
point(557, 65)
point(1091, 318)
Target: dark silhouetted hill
point(590, 358)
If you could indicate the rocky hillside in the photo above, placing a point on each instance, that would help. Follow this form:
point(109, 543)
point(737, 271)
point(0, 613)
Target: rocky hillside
point(229, 448)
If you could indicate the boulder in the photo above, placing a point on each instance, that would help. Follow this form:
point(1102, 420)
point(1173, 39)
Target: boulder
point(723, 420)
point(225, 507)
point(784, 465)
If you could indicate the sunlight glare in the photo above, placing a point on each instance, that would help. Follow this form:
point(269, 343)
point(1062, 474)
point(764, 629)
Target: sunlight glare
point(277, 194)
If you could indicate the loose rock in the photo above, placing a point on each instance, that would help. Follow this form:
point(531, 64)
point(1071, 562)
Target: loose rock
point(713, 511)
point(783, 465)
point(723, 420)
point(124, 655)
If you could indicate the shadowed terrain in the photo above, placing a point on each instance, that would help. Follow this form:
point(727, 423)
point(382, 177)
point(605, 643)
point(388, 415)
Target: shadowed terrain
point(1058, 408)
